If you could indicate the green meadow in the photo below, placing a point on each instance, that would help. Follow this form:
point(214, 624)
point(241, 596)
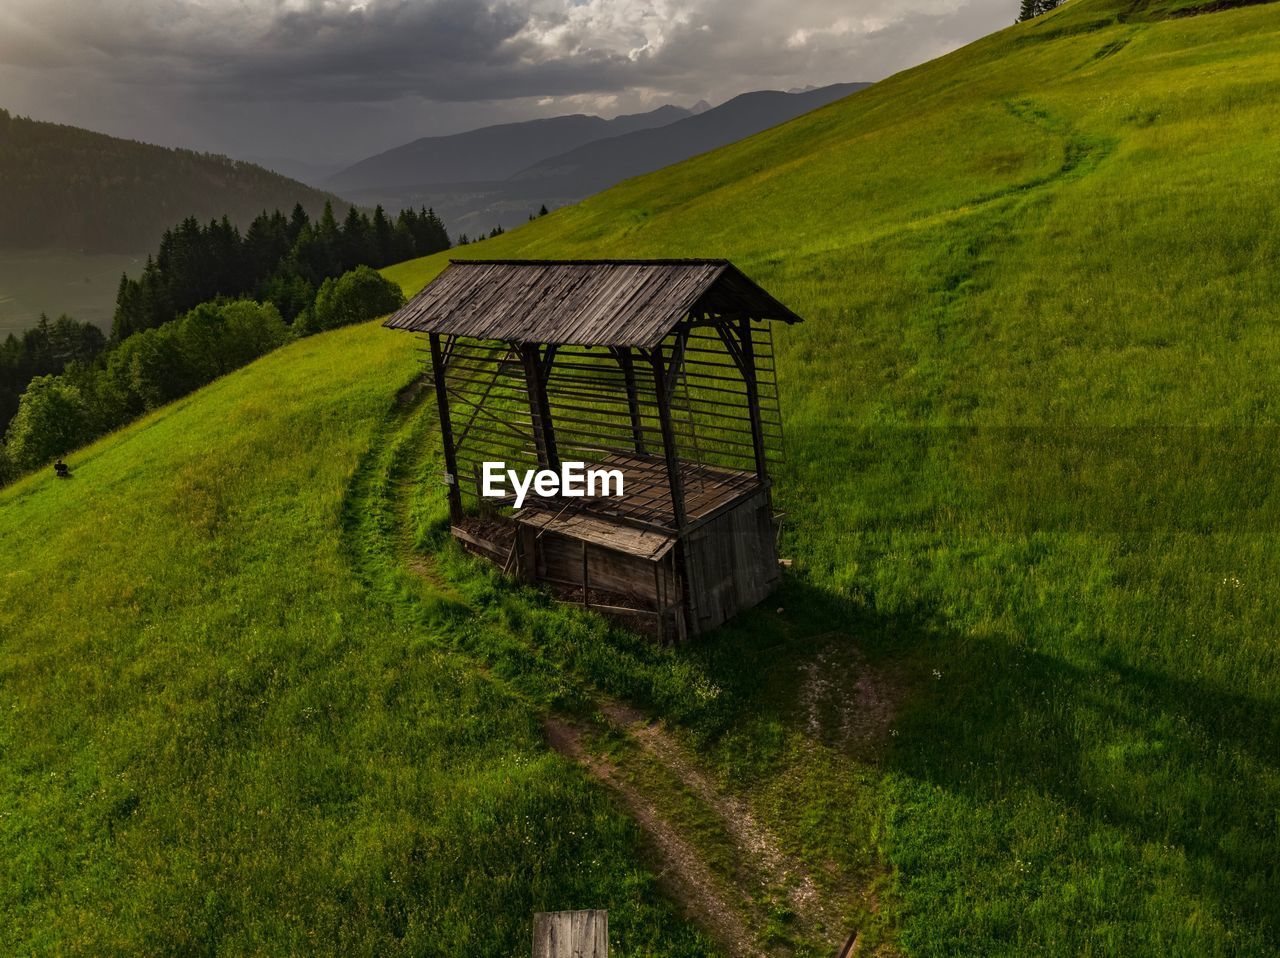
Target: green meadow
point(231, 724)
point(255, 703)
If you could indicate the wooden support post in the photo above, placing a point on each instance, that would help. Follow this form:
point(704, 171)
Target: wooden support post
point(753, 398)
point(586, 578)
point(535, 377)
point(659, 601)
point(633, 398)
point(662, 387)
point(446, 431)
point(681, 631)
point(664, 384)
point(527, 547)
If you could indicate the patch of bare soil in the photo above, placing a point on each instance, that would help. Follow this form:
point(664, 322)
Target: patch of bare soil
point(410, 392)
point(845, 702)
point(684, 873)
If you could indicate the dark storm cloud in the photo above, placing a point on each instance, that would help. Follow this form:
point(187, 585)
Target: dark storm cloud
point(257, 77)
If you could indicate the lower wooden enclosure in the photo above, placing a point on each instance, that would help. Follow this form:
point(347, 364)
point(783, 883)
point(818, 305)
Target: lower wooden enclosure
point(672, 585)
point(731, 561)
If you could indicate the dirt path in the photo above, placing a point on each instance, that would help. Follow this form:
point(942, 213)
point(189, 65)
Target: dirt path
point(684, 871)
point(728, 869)
point(758, 845)
point(734, 909)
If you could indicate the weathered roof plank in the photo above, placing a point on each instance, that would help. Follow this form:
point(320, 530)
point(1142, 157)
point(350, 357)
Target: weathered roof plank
point(581, 302)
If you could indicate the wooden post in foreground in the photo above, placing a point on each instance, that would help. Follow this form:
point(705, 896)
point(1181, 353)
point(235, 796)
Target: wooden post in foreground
point(571, 934)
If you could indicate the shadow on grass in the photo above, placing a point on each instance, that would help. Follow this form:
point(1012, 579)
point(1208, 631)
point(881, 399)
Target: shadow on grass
point(1185, 773)
point(1180, 768)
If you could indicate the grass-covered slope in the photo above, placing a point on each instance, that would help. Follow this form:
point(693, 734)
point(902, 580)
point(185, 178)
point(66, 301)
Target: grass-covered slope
point(229, 723)
point(1031, 422)
point(1031, 425)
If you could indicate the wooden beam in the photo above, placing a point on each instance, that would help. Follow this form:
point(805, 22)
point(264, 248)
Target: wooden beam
point(488, 388)
point(659, 601)
point(731, 344)
point(544, 435)
point(446, 431)
point(664, 385)
point(753, 397)
point(677, 360)
point(625, 361)
point(548, 358)
point(571, 934)
point(662, 388)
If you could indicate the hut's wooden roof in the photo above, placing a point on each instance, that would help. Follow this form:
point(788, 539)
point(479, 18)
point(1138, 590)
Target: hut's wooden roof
point(582, 302)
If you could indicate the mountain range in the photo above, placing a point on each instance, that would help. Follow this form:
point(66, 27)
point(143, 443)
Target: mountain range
point(490, 152)
point(498, 175)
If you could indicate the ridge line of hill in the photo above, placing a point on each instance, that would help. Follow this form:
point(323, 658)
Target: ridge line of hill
point(71, 188)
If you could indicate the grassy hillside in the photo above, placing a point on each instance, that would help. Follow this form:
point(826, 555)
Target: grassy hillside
point(1031, 426)
point(230, 724)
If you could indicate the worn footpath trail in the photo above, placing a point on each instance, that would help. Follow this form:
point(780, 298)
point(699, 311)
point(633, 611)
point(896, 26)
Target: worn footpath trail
point(727, 869)
point(735, 890)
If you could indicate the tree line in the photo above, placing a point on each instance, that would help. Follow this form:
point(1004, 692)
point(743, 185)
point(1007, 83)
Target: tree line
point(281, 260)
point(1030, 9)
point(47, 348)
point(208, 302)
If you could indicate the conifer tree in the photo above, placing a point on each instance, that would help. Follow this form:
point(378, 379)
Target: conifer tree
point(382, 233)
point(298, 221)
point(356, 241)
point(1030, 9)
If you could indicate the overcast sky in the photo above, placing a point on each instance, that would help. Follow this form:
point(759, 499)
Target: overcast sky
point(335, 80)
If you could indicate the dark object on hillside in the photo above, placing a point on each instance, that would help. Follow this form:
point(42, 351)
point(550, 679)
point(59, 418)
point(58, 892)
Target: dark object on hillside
point(571, 934)
point(62, 470)
point(659, 369)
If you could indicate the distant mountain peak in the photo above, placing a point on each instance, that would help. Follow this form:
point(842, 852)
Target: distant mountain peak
point(490, 152)
point(474, 181)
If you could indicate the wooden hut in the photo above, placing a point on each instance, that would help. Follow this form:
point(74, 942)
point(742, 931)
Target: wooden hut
point(660, 369)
